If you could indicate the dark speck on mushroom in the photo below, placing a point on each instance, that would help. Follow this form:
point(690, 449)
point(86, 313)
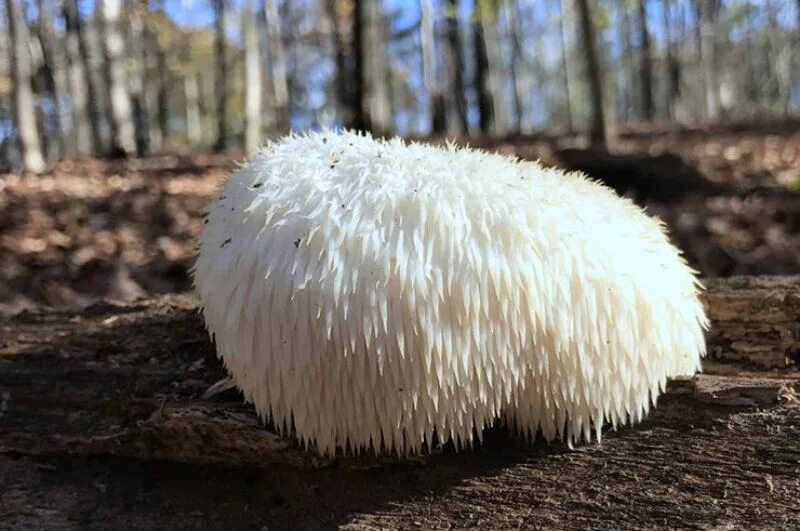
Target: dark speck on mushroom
point(226, 242)
point(297, 242)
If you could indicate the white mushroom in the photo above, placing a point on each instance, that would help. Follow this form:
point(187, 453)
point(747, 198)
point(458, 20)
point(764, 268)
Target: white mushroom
point(370, 294)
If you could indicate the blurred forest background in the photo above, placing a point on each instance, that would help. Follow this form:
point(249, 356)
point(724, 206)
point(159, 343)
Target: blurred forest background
point(118, 118)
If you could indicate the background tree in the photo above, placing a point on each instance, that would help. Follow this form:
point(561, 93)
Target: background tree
point(24, 100)
point(221, 85)
point(122, 130)
point(253, 95)
point(598, 125)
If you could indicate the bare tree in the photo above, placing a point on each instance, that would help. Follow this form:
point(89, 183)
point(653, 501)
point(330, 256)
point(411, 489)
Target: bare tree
point(252, 69)
point(137, 78)
point(83, 91)
point(346, 32)
point(276, 59)
point(487, 64)
point(645, 63)
point(159, 81)
point(513, 17)
point(221, 85)
point(55, 78)
point(123, 133)
point(598, 126)
point(672, 64)
point(434, 89)
point(373, 67)
point(455, 70)
point(192, 97)
point(565, 66)
point(24, 100)
point(706, 12)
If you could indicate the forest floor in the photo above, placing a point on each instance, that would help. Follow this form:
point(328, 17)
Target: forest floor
point(123, 229)
point(87, 388)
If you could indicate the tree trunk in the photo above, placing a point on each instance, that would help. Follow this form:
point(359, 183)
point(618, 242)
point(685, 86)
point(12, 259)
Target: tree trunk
point(221, 85)
point(122, 130)
point(252, 71)
point(565, 67)
point(645, 63)
point(672, 66)
point(481, 83)
point(24, 100)
point(374, 68)
point(136, 381)
point(277, 66)
point(597, 128)
point(455, 71)
point(78, 76)
point(56, 80)
point(160, 82)
point(137, 79)
point(346, 41)
point(515, 34)
point(429, 70)
point(706, 11)
point(192, 96)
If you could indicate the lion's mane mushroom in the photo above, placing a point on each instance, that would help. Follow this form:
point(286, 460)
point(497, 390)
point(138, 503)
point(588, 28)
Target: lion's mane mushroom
point(378, 294)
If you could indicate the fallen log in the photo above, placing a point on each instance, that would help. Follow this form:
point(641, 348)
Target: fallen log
point(127, 382)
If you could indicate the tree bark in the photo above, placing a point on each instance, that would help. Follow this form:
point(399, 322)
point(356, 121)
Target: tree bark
point(455, 71)
point(276, 55)
point(221, 77)
point(122, 130)
point(598, 133)
point(23, 96)
point(252, 111)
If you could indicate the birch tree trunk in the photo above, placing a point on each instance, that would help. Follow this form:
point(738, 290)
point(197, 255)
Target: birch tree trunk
point(276, 56)
point(80, 89)
point(594, 78)
point(23, 97)
point(252, 71)
point(429, 68)
point(124, 139)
